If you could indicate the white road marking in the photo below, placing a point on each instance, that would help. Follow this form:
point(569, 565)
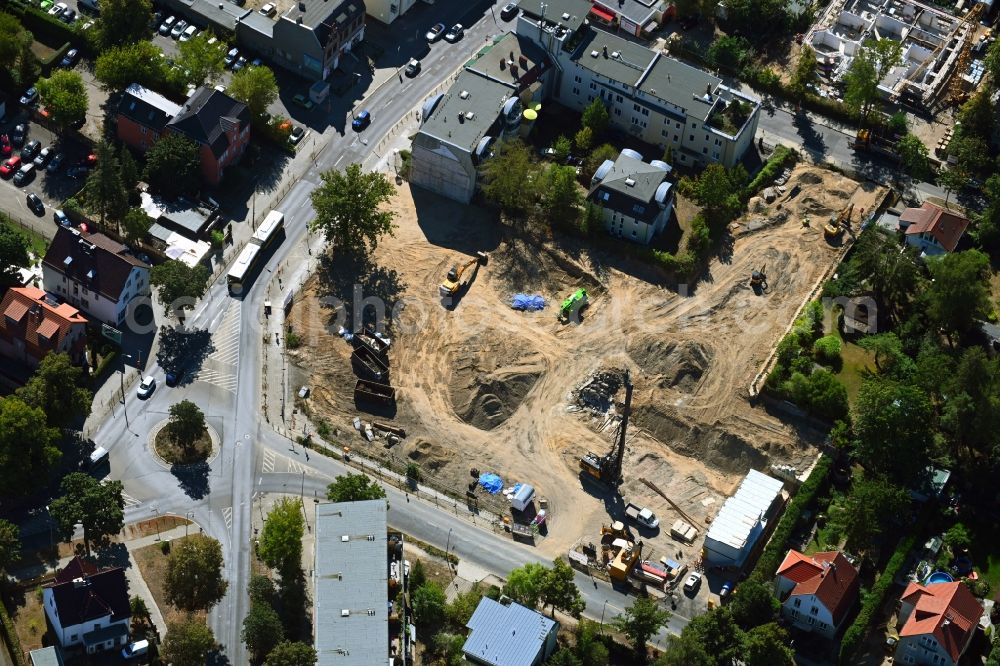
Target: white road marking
point(267, 466)
point(227, 515)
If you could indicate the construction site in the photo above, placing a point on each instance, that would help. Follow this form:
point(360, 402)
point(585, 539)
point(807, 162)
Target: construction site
point(471, 384)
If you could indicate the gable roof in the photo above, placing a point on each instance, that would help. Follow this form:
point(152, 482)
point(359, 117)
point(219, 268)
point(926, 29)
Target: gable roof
point(828, 576)
point(149, 109)
point(94, 260)
point(324, 17)
point(82, 593)
point(506, 634)
point(944, 225)
point(206, 117)
point(630, 188)
point(948, 611)
point(29, 316)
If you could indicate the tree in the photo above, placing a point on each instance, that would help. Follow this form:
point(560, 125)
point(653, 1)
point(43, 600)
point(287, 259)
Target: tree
point(971, 154)
point(717, 191)
point(261, 590)
point(429, 604)
point(524, 584)
point(255, 87)
point(27, 446)
point(685, 650)
point(590, 649)
point(354, 488)
point(890, 359)
point(914, 157)
point(135, 225)
point(55, 389)
point(872, 502)
point(767, 645)
point(992, 61)
point(140, 611)
point(861, 85)
point(186, 424)
point(349, 208)
point(891, 274)
point(177, 284)
point(563, 657)
point(511, 178)
point(291, 653)
point(952, 179)
point(805, 71)
point(599, 156)
point(99, 507)
point(187, 642)
point(16, 56)
point(562, 198)
point(972, 410)
point(596, 117)
point(104, 190)
point(562, 147)
point(64, 96)
point(641, 621)
point(417, 574)
point(558, 590)
point(757, 17)
point(892, 423)
point(461, 608)
point(129, 172)
point(194, 579)
point(262, 630)
point(820, 392)
point(281, 539)
point(119, 67)
point(124, 21)
point(753, 603)
point(959, 293)
point(173, 166)
point(13, 252)
point(584, 139)
point(10, 543)
point(957, 538)
point(730, 52)
point(449, 648)
point(204, 62)
point(975, 117)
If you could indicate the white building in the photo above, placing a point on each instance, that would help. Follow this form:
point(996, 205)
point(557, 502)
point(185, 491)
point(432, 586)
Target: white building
point(635, 198)
point(742, 520)
point(388, 11)
point(94, 273)
point(88, 607)
point(818, 591)
point(937, 623)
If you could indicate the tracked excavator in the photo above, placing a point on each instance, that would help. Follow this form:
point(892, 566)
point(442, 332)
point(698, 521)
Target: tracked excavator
point(453, 283)
point(608, 468)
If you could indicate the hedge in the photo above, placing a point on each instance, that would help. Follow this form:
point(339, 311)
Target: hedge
point(873, 601)
point(48, 28)
point(773, 554)
point(781, 156)
point(10, 636)
point(104, 364)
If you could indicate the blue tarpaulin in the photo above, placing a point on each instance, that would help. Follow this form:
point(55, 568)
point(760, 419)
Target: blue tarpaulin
point(491, 483)
point(528, 302)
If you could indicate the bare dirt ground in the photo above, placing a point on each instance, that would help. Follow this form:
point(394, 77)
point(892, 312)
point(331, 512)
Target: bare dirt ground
point(484, 386)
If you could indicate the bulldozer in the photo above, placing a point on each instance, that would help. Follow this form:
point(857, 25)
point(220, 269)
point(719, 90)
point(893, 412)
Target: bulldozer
point(608, 468)
point(572, 306)
point(835, 229)
point(758, 279)
point(453, 283)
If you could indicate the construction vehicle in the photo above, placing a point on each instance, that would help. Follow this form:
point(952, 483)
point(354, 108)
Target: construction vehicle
point(872, 141)
point(366, 391)
point(837, 225)
point(572, 306)
point(608, 468)
point(641, 515)
point(624, 560)
point(453, 284)
point(758, 279)
point(956, 85)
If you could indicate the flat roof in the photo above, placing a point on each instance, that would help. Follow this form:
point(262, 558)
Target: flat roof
point(637, 11)
point(556, 11)
point(239, 269)
point(267, 227)
point(744, 510)
point(471, 93)
point(351, 576)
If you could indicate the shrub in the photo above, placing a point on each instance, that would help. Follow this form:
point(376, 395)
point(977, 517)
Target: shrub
point(781, 157)
point(826, 350)
point(292, 339)
point(165, 547)
point(701, 238)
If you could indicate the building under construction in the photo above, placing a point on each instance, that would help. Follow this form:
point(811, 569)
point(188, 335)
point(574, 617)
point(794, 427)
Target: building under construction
point(936, 45)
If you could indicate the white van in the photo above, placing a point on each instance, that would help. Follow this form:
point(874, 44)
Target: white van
point(136, 649)
point(98, 457)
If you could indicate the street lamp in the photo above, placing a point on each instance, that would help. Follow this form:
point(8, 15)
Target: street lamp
point(447, 548)
point(602, 615)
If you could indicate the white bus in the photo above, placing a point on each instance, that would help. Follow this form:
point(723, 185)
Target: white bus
point(269, 229)
point(242, 268)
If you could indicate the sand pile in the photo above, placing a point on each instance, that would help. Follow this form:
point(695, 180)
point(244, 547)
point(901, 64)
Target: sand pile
point(522, 266)
point(678, 365)
point(810, 177)
point(430, 456)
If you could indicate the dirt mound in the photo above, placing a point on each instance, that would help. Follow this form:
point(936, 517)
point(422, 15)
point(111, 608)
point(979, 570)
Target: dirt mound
point(813, 206)
point(810, 178)
point(679, 365)
point(524, 266)
point(430, 456)
point(492, 374)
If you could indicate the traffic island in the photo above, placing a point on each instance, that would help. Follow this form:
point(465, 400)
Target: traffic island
point(170, 453)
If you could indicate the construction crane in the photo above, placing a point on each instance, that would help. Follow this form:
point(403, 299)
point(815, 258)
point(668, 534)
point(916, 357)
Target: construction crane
point(608, 468)
point(955, 92)
point(453, 283)
point(914, 77)
point(838, 224)
point(676, 508)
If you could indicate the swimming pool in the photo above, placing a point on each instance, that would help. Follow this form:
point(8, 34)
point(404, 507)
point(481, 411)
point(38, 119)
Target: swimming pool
point(939, 577)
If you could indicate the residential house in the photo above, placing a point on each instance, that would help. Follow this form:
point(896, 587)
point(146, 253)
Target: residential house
point(46, 656)
point(936, 623)
point(634, 196)
point(932, 229)
point(388, 11)
point(142, 116)
point(310, 38)
point(179, 227)
point(88, 607)
point(34, 325)
point(219, 125)
point(817, 592)
point(504, 633)
point(94, 273)
point(639, 18)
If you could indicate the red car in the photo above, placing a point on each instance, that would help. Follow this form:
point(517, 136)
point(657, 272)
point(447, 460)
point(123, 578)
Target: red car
point(8, 168)
point(5, 147)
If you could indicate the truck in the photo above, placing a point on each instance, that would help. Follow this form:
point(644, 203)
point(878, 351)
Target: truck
point(641, 515)
point(367, 362)
point(368, 391)
point(871, 141)
point(650, 572)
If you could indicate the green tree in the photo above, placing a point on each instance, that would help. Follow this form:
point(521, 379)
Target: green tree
point(255, 87)
point(890, 359)
point(262, 631)
point(135, 225)
point(27, 446)
point(718, 634)
point(975, 117)
point(429, 604)
point(914, 157)
point(767, 645)
point(959, 293)
point(971, 153)
point(354, 488)
point(685, 650)
point(640, 622)
point(16, 56)
point(584, 139)
point(971, 412)
point(562, 198)
point(717, 190)
point(511, 177)
point(55, 389)
point(204, 62)
point(64, 96)
point(952, 180)
point(892, 275)
point(757, 17)
point(173, 166)
point(417, 574)
point(291, 653)
point(590, 649)
point(187, 642)
point(861, 85)
point(893, 425)
point(140, 611)
point(14, 255)
point(104, 190)
point(730, 52)
point(10, 543)
point(563, 657)
point(562, 146)
point(99, 507)
point(119, 67)
point(261, 590)
point(806, 71)
point(992, 61)
point(177, 284)
point(524, 584)
point(186, 424)
point(820, 392)
point(194, 579)
point(595, 116)
point(350, 209)
point(124, 21)
point(601, 154)
point(281, 539)
point(986, 230)
point(753, 603)
point(558, 590)
point(461, 608)
point(872, 503)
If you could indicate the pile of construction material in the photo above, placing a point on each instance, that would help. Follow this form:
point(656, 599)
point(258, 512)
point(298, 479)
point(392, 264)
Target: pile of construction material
point(597, 393)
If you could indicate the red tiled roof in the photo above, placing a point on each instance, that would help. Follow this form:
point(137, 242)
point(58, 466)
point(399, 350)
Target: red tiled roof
point(944, 225)
point(16, 309)
point(948, 611)
point(827, 575)
point(51, 322)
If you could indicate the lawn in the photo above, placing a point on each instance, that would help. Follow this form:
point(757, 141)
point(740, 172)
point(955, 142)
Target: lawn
point(29, 619)
point(152, 562)
point(857, 361)
point(36, 242)
point(830, 535)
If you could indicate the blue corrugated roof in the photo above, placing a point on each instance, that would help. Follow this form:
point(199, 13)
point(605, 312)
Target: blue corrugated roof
point(506, 635)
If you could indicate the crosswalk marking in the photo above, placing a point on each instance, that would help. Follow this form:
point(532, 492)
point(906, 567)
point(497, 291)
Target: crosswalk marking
point(227, 515)
point(295, 467)
point(220, 366)
point(130, 502)
point(268, 465)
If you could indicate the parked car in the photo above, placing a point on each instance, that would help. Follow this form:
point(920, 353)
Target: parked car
point(455, 33)
point(78, 172)
point(31, 150)
point(693, 582)
point(5, 147)
point(509, 11)
point(363, 120)
point(178, 29)
point(55, 163)
point(57, 9)
point(25, 174)
point(268, 10)
point(412, 68)
point(303, 101)
point(188, 33)
point(10, 165)
point(68, 15)
point(436, 32)
point(19, 134)
point(90, 160)
point(240, 63)
point(70, 58)
point(167, 25)
point(231, 56)
point(29, 97)
point(43, 157)
point(146, 388)
point(60, 218)
point(547, 152)
point(136, 649)
point(296, 135)
point(35, 204)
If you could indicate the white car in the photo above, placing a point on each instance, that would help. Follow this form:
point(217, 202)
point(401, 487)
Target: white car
point(268, 10)
point(136, 649)
point(57, 9)
point(146, 387)
point(693, 582)
point(188, 33)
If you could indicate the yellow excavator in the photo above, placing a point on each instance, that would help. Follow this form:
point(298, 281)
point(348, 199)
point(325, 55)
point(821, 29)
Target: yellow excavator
point(838, 224)
point(453, 283)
